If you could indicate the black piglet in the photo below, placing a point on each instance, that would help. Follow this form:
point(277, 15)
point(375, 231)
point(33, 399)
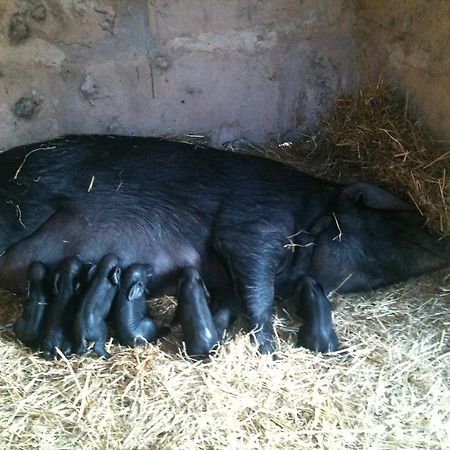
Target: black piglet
point(131, 318)
point(90, 322)
point(29, 327)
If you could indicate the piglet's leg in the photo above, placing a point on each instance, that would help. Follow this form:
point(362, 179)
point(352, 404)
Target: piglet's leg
point(99, 347)
point(225, 308)
point(199, 330)
point(28, 328)
point(149, 332)
point(317, 332)
point(60, 314)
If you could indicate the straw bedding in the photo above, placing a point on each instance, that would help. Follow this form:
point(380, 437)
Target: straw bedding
point(388, 388)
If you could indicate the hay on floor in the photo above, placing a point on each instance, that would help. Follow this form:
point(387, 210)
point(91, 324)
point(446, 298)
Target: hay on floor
point(388, 388)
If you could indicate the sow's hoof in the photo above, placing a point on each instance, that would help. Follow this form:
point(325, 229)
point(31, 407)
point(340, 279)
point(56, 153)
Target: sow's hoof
point(320, 343)
point(50, 353)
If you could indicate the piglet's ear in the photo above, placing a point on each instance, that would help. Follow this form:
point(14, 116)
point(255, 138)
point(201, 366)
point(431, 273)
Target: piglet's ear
point(375, 197)
point(148, 270)
point(89, 270)
point(205, 289)
point(136, 291)
point(114, 276)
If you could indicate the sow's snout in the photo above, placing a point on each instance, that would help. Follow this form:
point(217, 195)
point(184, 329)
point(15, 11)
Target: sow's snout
point(409, 248)
point(435, 246)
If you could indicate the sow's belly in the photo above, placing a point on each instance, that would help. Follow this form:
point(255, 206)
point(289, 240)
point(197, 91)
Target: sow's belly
point(51, 247)
point(165, 259)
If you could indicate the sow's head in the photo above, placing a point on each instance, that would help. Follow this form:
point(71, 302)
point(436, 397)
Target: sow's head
point(372, 238)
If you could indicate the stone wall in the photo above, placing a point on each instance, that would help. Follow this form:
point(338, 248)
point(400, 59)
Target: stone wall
point(255, 69)
point(407, 42)
point(228, 69)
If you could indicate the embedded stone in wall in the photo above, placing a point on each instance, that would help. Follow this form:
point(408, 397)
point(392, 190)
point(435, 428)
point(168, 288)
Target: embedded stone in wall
point(88, 88)
point(162, 62)
point(219, 69)
point(18, 28)
point(37, 10)
point(26, 107)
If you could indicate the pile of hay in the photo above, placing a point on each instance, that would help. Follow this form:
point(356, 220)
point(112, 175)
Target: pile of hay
point(374, 132)
point(371, 137)
point(388, 388)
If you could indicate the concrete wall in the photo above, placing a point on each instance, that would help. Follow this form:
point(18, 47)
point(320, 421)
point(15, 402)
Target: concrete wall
point(408, 43)
point(228, 69)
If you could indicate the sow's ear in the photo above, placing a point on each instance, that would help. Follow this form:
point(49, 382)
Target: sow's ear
point(88, 272)
point(56, 284)
point(375, 197)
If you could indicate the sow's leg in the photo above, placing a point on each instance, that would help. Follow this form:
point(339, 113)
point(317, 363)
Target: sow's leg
point(224, 302)
point(317, 332)
point(252, 253)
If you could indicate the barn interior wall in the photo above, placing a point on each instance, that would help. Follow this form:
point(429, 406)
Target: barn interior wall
point(226, 69)
point(407, 42)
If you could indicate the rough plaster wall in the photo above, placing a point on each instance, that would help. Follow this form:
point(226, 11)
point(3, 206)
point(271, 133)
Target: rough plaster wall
point(229, 69)
point(408, 43)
